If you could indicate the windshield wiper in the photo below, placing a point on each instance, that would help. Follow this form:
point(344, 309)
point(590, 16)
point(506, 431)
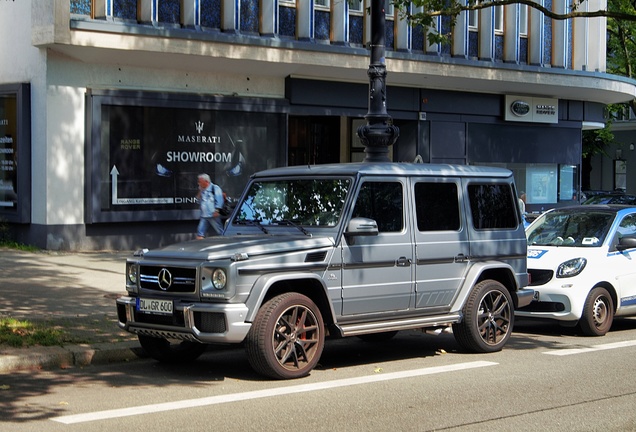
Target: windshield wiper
point(251, 222)
point(289, 222)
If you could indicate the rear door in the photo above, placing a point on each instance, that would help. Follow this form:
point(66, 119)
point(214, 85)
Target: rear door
point(442, 242)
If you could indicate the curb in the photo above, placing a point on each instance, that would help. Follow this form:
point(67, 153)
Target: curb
point(68, 356)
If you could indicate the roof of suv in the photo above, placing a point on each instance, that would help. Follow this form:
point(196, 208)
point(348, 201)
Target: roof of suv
point(388, 168)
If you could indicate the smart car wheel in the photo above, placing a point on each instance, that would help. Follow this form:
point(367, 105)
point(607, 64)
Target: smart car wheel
point(598, 313)
point(167, 351)
point(488, 318)
point(286, 338)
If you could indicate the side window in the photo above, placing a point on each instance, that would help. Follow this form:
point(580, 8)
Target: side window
point(437, 206)
point(492, 206)
point(382, 202)
point(627, 228)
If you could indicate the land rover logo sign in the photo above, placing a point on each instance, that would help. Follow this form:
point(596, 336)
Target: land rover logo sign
point(520, 108)
point(164, 279)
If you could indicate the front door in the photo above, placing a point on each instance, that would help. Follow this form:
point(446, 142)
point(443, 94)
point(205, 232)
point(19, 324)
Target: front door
point(377, 270)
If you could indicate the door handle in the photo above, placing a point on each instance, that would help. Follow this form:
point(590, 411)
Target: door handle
point(403, 262)
point(461, 258)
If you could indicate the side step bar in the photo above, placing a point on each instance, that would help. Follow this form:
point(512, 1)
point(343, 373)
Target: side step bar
point(400, 324)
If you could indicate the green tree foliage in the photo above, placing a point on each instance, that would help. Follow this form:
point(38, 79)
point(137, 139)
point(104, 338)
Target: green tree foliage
point(621, 41)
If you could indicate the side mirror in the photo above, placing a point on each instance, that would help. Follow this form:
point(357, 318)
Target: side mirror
point(626, 243)
point(361, 227)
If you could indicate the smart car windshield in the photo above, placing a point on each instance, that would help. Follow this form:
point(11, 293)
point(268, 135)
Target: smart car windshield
point(294, 202)
point(571, 228)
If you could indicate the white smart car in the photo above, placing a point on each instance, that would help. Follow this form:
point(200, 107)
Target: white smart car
point(582, 263)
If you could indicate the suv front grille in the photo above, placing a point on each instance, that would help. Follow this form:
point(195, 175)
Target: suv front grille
point(540, 277)
point(168, 279)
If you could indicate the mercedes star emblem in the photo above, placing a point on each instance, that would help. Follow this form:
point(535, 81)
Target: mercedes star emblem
point(164, 279)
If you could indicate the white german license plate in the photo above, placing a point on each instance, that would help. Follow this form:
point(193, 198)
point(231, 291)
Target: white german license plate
point(154, 306)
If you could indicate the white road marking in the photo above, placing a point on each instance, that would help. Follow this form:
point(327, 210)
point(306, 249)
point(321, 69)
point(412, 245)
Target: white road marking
point(235, 397)
point(564, 352)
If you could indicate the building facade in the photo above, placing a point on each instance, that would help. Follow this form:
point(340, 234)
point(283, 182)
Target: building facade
point(110, 108)
point(614, 169)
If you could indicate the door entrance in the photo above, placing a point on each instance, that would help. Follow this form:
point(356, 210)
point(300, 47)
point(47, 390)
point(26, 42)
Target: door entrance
point(313, 140)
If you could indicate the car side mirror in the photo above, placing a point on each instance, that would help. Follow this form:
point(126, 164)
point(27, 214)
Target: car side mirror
point(626, 243)
point(361, 227)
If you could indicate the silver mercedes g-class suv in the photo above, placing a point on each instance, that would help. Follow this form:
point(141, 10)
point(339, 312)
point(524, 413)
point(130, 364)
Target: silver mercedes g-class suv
point(338, 250)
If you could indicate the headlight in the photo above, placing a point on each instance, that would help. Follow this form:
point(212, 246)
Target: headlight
point(219, 279)
point(571, 268)
point(132, 272)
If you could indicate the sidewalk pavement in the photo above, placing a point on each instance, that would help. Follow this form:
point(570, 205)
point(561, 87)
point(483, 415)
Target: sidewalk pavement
point(74, 292)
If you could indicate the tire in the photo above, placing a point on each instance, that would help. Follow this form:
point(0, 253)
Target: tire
point(166, 352)
point(378, 337)
point(488, 318)
point(598, 313)
point(287, 337)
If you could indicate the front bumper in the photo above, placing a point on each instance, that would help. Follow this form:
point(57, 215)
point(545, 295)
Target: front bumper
point(563, 304)
point(193, 321)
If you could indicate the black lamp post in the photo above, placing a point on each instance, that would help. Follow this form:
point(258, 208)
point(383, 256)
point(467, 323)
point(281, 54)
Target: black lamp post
point(379, 132)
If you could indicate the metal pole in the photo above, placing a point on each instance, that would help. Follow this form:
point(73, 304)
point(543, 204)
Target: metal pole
point(379, 132)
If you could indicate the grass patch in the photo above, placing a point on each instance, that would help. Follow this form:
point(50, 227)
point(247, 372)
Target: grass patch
point(8, 241)
point(20, 333)
point(18, 246)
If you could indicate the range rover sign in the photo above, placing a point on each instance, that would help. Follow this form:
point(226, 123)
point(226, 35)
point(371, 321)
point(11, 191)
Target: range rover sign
point(520, 108)
point(532, 109)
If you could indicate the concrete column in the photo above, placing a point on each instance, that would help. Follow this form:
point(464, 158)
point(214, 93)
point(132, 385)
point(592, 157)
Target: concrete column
point(269, 15)
point(403, 32)
point(230, 16)
point(191, 13)
point(487, 34)
point(148, 11)
point(559, 38)
point(460, 35)
point(103, 9)
point(339, 22)
point(305, 19)
point(535, 35)
point(511, 33)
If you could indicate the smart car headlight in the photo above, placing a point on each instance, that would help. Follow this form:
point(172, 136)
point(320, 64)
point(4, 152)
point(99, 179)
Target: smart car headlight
point(219, 279)
point(571, 268)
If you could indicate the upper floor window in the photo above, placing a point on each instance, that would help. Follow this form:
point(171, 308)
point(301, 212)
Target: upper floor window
point(356, 5)
point(287, 2)
point(473, 19)
point(322, 4)
point(499, 19)
point(523, 20)
point(388, 8)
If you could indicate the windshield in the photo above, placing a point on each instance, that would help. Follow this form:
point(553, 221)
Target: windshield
point(302, 202)
point(570, 228)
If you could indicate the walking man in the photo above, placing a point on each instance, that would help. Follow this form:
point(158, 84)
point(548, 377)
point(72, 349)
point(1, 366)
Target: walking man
point(210, 198)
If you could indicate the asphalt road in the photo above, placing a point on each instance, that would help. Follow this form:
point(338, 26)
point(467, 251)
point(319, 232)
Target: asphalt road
point(546, 379)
